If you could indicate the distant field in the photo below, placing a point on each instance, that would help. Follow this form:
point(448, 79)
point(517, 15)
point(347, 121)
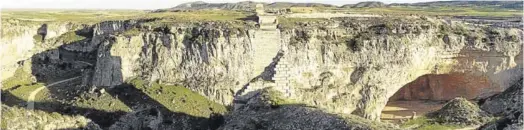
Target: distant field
point(80, 16)
point(440, 11)
point(95, 16)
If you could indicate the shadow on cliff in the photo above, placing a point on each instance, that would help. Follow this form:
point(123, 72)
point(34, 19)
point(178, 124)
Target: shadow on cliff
point(263, 112)
point(477, 74)
point(443, 87)
point(138, 100)
point(429, 91)
point(101, 117)
point(67, 72)
point(266, 75)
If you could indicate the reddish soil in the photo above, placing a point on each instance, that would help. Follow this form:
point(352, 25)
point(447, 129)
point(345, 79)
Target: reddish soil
point(446, 87)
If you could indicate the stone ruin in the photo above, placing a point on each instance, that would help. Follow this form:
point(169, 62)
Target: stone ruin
point(266, 21)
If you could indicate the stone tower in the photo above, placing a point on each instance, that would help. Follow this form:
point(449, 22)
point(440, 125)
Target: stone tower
point(259, 9)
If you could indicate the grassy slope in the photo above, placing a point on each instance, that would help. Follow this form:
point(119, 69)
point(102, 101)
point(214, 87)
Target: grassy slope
point(180, 99)
point(175, 98)
point(423, 123)
point(104, 102)
point(37, 118)
point(20, 86)
point(19, 78)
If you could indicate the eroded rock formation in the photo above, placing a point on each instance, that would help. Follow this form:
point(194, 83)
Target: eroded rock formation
point(508, 105)
point(346, 65)
point(23, 119)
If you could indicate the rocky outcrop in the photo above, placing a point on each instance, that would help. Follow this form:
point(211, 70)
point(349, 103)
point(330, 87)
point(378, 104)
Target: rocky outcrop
point(352, 68)
point(442, 87)
point(209, 59)
point(345, 65)
point(22, 119)
point(269, 110)
point(508, 105)
point(460, 111)
point(362, 63)
point(22, 39)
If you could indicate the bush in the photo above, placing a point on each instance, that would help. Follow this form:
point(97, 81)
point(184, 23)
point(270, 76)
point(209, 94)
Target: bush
point(131, 32)
point(38, 38)
point(70, 37)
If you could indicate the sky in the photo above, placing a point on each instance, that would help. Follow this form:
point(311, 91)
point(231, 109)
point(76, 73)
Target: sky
point(148, 4)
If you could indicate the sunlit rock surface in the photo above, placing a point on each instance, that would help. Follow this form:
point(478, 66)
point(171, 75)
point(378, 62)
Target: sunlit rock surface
point(346, 65)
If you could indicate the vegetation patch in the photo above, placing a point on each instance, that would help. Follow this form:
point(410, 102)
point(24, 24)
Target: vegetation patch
point(292, 23)
point(104, 102)
point(457, 113)
point(424, 123)
point(16, 89)
point(20, 118)
point(230, 19)
point(131, 32)
point(73, 16)
point(38, 38)
point(20, 78)
point(460, 111)
point(276, 98)
point(179, 99)
point(70, 37)
point(438, 10)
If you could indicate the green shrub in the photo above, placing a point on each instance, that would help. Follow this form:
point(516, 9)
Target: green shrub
point(70, 37)
point(38, 38)
point(179, 99)
point(424, 123)
point(131, 32)
point(20, 78)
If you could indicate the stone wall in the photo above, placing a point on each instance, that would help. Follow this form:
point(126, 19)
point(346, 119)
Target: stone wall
point(282, 77)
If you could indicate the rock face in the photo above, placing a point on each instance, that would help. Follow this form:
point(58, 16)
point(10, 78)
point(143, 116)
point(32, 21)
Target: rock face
point(267, 110)
point(507, 104)
point(362, 64)
point(23, 119)
point(208, 59)
point(446, 87)
point(347, 65)
point(20, 40)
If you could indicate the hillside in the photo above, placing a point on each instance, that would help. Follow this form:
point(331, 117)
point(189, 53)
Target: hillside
point(245, 5)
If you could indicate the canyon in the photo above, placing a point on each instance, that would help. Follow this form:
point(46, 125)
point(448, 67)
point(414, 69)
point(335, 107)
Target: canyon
point(343, 65)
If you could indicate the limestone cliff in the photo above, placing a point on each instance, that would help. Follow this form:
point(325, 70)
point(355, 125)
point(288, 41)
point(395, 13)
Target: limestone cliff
point(345, 65)
point(356, 67)
point(22, 39)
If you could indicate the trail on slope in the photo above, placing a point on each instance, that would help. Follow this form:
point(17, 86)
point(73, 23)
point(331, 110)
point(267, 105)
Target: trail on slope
point(469, 128)
point(31, 98)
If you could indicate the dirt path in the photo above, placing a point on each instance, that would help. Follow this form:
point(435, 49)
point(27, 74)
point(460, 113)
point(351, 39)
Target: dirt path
point(397, 110)
point(31, 98)
point(469, 128)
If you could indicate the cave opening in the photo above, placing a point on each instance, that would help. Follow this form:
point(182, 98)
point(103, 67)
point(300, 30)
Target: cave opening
point(430, 92)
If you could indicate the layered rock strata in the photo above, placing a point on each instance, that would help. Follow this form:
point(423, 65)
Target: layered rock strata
point(345, 65)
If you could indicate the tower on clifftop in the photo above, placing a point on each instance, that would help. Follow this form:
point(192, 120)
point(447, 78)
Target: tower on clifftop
point(259, 8)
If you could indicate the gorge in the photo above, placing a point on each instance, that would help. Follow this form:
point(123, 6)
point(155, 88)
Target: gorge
point(342, 65)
